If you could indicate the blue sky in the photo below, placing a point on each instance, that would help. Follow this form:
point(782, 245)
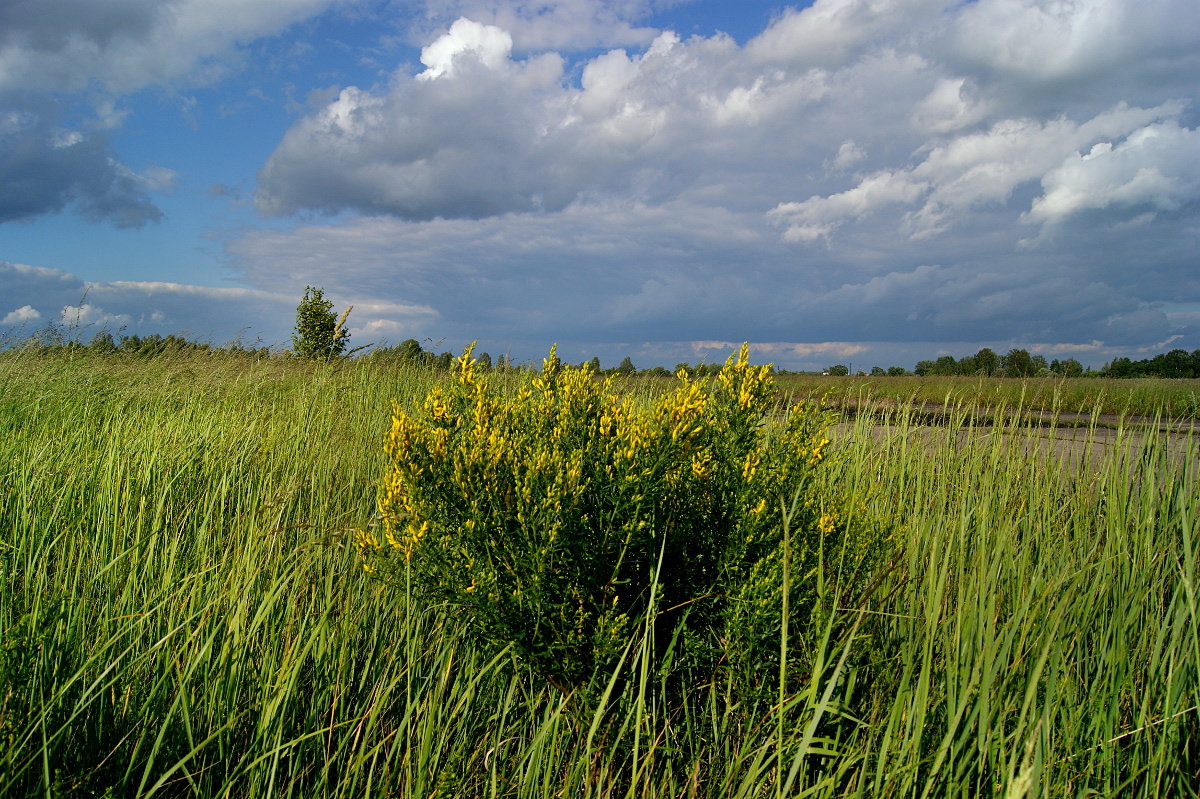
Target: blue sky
point(866, 181)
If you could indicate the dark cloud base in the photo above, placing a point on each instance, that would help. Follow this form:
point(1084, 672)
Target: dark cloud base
point(45, 169)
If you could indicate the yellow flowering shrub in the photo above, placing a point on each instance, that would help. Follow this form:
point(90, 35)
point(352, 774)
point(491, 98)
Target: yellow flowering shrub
point(545, 512)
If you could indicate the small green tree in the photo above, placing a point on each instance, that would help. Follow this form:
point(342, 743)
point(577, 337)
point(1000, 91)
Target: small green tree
point(320, 333)
point(1017, 363)
point(945, 365)
point(1071, 368)
point(103, 342)
point(987, 362)
point(411, 352)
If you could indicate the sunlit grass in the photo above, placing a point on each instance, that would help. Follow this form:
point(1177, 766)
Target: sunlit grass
point(1041, 636)
point(182, 614)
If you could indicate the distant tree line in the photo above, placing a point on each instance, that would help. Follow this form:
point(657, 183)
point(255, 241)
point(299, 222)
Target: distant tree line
point(1015, 363)
point(986, 362)
point(841, 370)
point(410, 353)
point(1176, 363)
point(105, 343)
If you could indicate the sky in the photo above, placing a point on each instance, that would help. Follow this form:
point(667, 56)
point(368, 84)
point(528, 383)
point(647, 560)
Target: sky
point(871, 182)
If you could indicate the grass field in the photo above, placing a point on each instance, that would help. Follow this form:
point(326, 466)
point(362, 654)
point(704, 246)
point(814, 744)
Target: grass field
point(183, 613)
point(1170, 399)
point(1173, 401)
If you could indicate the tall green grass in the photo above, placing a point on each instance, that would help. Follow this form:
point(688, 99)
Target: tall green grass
point(1040, 632)
point(182, 614)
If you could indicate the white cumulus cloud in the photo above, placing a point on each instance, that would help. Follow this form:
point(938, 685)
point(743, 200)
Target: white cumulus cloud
point(490, 45)
point(970, 170)
point(818, 217)
point(559, 170)
point(673, 190)
point(86, 315)
point(496, 134)
point(1156, 167)
point(831, 33)
point(18, 316)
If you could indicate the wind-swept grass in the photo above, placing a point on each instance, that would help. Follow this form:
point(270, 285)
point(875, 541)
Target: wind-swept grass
point(182, 614)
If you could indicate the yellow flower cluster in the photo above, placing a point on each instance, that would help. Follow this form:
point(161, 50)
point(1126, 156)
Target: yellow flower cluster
point(552, 491)
point(749, 386)
point(436, 405)
point(367, 542)
point(684, 411)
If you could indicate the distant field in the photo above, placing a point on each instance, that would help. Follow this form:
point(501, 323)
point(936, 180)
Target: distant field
point(1173, 399)
point(182, 612)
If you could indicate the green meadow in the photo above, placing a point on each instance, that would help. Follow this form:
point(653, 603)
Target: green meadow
point(184, 610)
point(1169, 399)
